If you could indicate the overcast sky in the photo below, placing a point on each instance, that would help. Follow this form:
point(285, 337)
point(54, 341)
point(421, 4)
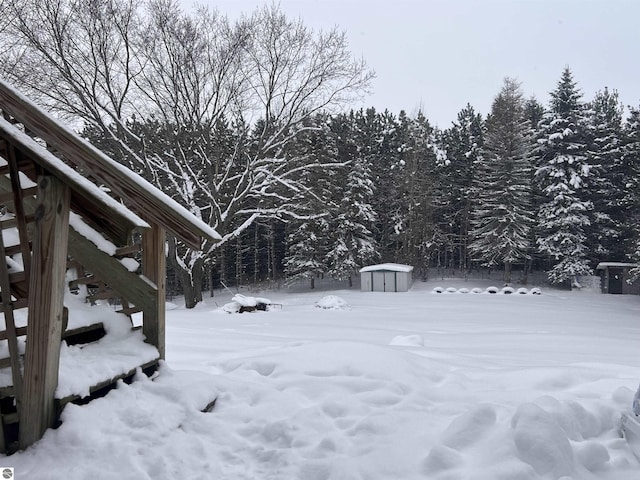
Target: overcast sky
point(440, 54)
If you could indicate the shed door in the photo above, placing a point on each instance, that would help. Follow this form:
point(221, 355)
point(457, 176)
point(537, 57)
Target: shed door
point(378, 282)
point(366, 283)
point(390, 282)
point(615, 280)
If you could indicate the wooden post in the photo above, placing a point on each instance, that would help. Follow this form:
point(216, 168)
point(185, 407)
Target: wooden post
point(154, 268)
point(46, 301)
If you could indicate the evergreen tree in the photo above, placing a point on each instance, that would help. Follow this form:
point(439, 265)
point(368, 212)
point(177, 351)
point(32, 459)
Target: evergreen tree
point(631, 200)
point(563, 172)
point(607, 177)
point(352, 244)
point(375, 135)
point(416, 186)
point(502, 216)
point(534, 112)
point(462, 143)
point(308, 236)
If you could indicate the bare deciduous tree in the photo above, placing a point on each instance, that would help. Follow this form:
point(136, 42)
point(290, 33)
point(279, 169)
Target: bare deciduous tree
point(129, 73)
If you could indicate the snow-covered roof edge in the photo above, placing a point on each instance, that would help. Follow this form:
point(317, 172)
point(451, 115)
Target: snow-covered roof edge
point(603, 265)
point(393, 267)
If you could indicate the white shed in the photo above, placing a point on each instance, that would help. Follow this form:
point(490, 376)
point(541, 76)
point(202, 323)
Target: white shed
point(386, 277)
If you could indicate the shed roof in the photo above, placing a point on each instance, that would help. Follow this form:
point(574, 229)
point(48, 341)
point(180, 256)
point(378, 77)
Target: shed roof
point(603, 265)
point(136, 193)
point(389, 267)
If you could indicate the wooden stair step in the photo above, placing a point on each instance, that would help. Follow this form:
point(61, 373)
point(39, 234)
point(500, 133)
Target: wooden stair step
point(85, 334)
point(102, 388)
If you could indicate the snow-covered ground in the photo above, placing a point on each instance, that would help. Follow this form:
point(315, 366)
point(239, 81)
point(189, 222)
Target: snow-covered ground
point(411, 385)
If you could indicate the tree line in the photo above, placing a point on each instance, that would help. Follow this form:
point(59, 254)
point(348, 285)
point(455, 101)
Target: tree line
point(246, 124)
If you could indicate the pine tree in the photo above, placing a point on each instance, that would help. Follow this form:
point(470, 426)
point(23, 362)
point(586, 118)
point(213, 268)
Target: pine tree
point(462, 143)
point(563, 172)
point(534, 112)
point(631, 200)
point(308, 236)
point(375, 135)
point(351, 243)
point(607, 177)
point(502, 217)
point(414, 185)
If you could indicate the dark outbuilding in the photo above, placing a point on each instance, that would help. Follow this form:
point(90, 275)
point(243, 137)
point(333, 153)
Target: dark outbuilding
point(614, 278)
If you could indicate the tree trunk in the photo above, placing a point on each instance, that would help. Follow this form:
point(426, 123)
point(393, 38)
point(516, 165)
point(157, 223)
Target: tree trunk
point(507, 272)
point(191, 282)
point(238, 261)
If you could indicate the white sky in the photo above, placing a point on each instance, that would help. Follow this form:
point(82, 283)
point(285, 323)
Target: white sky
point(439, 55)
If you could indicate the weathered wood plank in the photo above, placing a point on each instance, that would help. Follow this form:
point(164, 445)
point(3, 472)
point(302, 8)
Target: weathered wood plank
point(13, 222)
point(19, 332)
point(109, 269)
point(154, 268)
point(129, 310)
point(46, 303)
point(18, 208)
point(15, 249)
point(136, 192)
point(9, 196)
point(106, 268)
point(86, 198)
point(127, 251)
point(10, 327)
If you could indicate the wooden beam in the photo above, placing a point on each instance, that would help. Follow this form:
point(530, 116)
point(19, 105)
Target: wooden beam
point(136, 192)
point(105, 267)
point(46, 303)
point(109, 270)
point(154, 268)
point(85, 197)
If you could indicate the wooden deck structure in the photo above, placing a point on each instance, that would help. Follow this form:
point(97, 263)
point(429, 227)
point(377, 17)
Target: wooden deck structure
point(49, 207)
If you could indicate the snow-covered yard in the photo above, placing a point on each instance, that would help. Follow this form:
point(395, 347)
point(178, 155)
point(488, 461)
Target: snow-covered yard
point(410, 385)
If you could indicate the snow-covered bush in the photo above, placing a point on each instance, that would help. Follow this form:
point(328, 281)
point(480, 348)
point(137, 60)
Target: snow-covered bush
point(523, 291)
point(332, 302)
point(451, 290)
point(492, 290)
point(508, 290)
point(535, 291)
point(437, 290)
point(476, 290)
point(463, 290)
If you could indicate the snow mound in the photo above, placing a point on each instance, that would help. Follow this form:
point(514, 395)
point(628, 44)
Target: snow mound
point(535, 291)
point(463, 290)
point(492, 290)
point(523, 291)
point(508, 290)
point(332, 302)
point(437, 290)
point(541, 442)
point(470, 427)
point(476, 290)
point(451, 290)
point(240, 303)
